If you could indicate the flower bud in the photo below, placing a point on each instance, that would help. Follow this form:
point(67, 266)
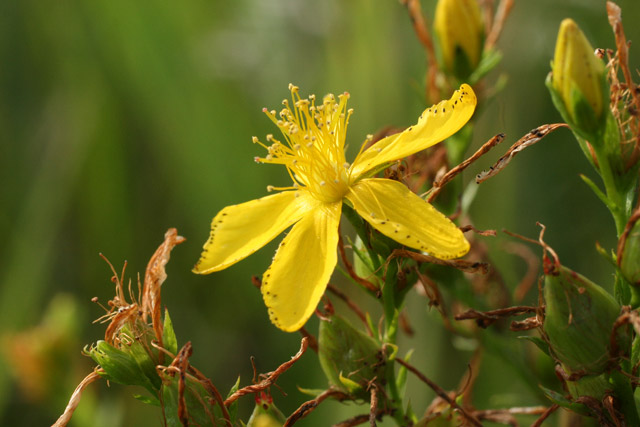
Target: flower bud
point(348, 357)
point(579, 318)
point(629, 260)
point(459, 30)
point(265, 413)
point(578, 83)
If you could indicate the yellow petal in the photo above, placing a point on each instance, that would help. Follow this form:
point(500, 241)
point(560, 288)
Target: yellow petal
point(391, 208)
point(434, 125)
point(301, 268)
point(238, 231)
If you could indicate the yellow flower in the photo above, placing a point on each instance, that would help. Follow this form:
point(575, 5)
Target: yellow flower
point(313, 153)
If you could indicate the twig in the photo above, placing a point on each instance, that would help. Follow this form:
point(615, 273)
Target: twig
point(486, 318)
point(75, 398)
point(440, 392)
point(349, 267)
point(545, 415)
point(307, 407)
point(440, 182)
point(496, 29)
point(373, 412)
point(532, 269)
point(422, 32)
point(528, 140)
point(352, 305)
point(460, 264)
point(272, 376)
point(154, 276)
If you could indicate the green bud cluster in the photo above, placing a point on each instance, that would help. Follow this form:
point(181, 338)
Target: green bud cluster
point(579, 318)
point(349, 358)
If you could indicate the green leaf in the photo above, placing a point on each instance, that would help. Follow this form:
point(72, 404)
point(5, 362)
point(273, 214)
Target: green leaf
point(562, 401)
point(169, 339)
point(539, 342)
point(195, 397)
point(490, 59)
point(149, 400)
point(233, 408)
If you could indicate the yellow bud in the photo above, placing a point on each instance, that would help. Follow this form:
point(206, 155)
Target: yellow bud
point(578, 78)
point(458, 27)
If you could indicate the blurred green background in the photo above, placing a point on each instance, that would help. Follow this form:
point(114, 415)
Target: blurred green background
point(120, 119)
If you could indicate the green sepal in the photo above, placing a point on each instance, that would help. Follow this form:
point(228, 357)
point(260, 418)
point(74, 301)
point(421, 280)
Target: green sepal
point(119, 367)
point(401, 378)
point(169, 340)
point(539, 342)
point(314, 392)
point(462, 67)
point(635, 351)
point(582, 135)
point(352, 387)
point(630, 257)
point(563, 402)
point(233, 408)
point(579, 318)
point(596, 190)
point(362, 262)
point(140, 354)
point(623, 391)
point(490, 60)
point(195, 397)
point(149, 400)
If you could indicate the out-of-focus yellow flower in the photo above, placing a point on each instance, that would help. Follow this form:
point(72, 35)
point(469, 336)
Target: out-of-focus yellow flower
point(459, 30)
point(578, 77)
point(313, 153)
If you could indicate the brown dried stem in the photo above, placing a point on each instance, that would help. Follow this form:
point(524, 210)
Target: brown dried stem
point(74, 401)
point(307, 407)
point(550, 410)
point(440, 182)
point(422, 32)
point(440, 392)
point(504, 8)
point(486, 318)
point(271, 376)
point(460, 264)
point(349, 267)
point(154, 277)
point(352, 305)
point(528, 140)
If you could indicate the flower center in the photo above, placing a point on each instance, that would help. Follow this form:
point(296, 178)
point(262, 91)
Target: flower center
point(313, 147)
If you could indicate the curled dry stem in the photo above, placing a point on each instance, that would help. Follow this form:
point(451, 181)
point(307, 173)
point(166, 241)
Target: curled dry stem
point(460, 264)
point(271, 377)
point(307, 407)
point(487, 318)
point(528, 140)
point(154, 277)
point(442, 181)
point(74, 401)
